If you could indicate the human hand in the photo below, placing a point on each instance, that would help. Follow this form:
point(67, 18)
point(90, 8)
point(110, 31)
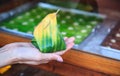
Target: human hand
point(22, 52)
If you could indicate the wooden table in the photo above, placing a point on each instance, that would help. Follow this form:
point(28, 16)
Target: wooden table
point(76, 63)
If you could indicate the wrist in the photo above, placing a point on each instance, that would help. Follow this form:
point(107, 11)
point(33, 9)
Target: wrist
point(6, 57)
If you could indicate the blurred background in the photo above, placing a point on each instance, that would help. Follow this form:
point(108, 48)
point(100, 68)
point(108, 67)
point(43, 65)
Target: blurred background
point(94, 23)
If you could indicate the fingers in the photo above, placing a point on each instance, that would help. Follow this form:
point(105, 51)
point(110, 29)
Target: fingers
point(69, 45)
point(65, 38)
point(33, 62)
point(70, 40)
point(45, 58)
point(49, 57)
point(60, 52)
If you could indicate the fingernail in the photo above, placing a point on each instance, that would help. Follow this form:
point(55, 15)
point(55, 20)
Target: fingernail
point(59, 59)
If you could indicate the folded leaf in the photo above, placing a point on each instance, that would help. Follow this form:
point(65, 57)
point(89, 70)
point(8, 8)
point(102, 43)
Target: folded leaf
point(47, 35)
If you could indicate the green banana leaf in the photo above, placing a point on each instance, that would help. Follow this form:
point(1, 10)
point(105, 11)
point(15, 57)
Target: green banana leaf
point(47, 36)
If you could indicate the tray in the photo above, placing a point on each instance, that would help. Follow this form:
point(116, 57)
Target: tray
point(74, 23)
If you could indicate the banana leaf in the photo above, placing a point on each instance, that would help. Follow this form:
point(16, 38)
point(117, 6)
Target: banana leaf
point(47, 37)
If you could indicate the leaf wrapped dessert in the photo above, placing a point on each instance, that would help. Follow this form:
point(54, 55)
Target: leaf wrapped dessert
point(47, 36)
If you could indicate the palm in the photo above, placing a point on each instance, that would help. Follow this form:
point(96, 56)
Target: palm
point(21, 52)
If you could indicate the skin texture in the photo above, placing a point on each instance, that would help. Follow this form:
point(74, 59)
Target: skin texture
point(26, 53)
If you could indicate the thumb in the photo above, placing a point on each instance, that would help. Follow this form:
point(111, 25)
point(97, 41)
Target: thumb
point(53, 57)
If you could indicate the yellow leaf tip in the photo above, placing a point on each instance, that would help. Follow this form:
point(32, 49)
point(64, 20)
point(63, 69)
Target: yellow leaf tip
point(57, 11)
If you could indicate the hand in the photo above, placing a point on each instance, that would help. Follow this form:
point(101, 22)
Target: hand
point(22, 52)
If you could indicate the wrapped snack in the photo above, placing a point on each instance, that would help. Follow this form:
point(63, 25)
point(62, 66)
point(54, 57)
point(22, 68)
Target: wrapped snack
point(47, 36)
